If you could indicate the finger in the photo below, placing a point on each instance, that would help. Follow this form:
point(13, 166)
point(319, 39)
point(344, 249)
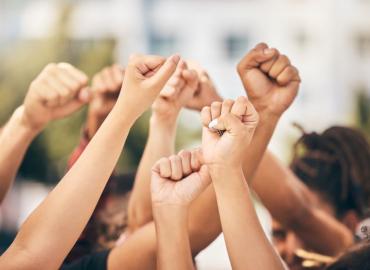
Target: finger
point(108, 79)
point(254, 58)
point(230, 123)
point(195, 161)
point(176, 167)
point(85, 95)
point(206, 116)
point(164, 168)
point(52, 92)
point(216, 109)
point(226, 106)
point(240, 107)
point(165, 70)
point(74, 72)
point(251, 118)
point(185, 162)
point(118, 74)
point(290, 73)
point(281, 63)
point(266, 66)
point(68, 81)
point(191, 78)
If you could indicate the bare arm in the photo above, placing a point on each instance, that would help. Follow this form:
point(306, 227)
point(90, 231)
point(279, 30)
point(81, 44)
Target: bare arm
point(15, 139)
point(45, 239)
point(161, 141)
point(288, 200)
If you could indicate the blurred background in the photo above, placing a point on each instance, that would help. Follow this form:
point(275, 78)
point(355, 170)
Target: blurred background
point(328, 40)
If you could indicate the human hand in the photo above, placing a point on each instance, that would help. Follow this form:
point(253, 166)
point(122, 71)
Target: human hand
point(178, 91)
point(179, 179)
point(59, 90)
point(238, 121)
point(269, 79)
point(105, 89)
point(206, 92)
point(145, 77)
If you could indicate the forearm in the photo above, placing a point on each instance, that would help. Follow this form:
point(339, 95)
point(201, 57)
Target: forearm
point(247, 245)
point(57, 223)
point(93, 122)
point(15, 139)
point(289, 201)
point(161, 143)
point(259, 143)
point(172, 238)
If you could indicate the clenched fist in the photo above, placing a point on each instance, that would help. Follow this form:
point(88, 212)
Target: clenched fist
point(58, 91)
point(177, 92)
point(206, 92)
point(105, 89)
point(179, 179)
point(145, 77)
point(237, 121)
point(269, 79)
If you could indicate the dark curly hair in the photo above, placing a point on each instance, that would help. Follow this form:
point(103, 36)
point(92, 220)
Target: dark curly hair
point(336, 164)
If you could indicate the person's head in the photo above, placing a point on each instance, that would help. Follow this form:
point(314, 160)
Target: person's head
point(335, 166)
point(358, 258)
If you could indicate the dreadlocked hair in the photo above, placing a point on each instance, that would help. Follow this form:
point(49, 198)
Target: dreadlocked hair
point(336, 164)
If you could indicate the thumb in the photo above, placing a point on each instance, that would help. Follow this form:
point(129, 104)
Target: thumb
point(227, 122)
point(164, 73)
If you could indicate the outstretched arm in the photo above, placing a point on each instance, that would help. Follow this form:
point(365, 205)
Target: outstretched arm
point(271, 83)
point(161, 140)
point(54, 94)
point(247, 245)
point(45, 238)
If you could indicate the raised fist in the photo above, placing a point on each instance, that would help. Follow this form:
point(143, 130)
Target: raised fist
point(228, 128)
point(177, 92)
point(145, 77)
point(269, 79)
point(105, 89)
point(179, 179)
point(58, 91)
point(206, 92)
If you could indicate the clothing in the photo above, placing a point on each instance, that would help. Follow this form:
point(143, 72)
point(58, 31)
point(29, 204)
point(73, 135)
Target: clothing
point(109, 218)
point(95, 261)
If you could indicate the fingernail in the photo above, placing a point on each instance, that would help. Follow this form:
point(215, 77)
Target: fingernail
point(213, 124)
point(175, 58)
point(268, 51)
point(84, 95)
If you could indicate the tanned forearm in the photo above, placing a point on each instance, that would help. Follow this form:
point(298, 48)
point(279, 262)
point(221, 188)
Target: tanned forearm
point(290, 203)
point(15, 139)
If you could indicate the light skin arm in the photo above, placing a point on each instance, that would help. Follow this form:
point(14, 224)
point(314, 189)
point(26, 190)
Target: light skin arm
point(55, 93)
point(247, 245)
point(176, 182)
point(44, 233)
point(161, 140)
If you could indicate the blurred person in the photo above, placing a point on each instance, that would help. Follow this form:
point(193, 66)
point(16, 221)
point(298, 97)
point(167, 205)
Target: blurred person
point(334, 165)
point(357, 258)
point(44, 239)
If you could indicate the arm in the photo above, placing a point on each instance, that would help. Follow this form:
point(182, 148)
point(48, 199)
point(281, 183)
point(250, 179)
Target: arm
point(14, 140)
point(288, 200)
point(39, 108)
point(247, 245)
point(271, 83)
point(45, 239)
point(161, 140)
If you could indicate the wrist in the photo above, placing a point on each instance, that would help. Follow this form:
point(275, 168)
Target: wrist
point(266, 116)
point(170, 213)
point(220, 172)
point(164, 123)
point(24, 123)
